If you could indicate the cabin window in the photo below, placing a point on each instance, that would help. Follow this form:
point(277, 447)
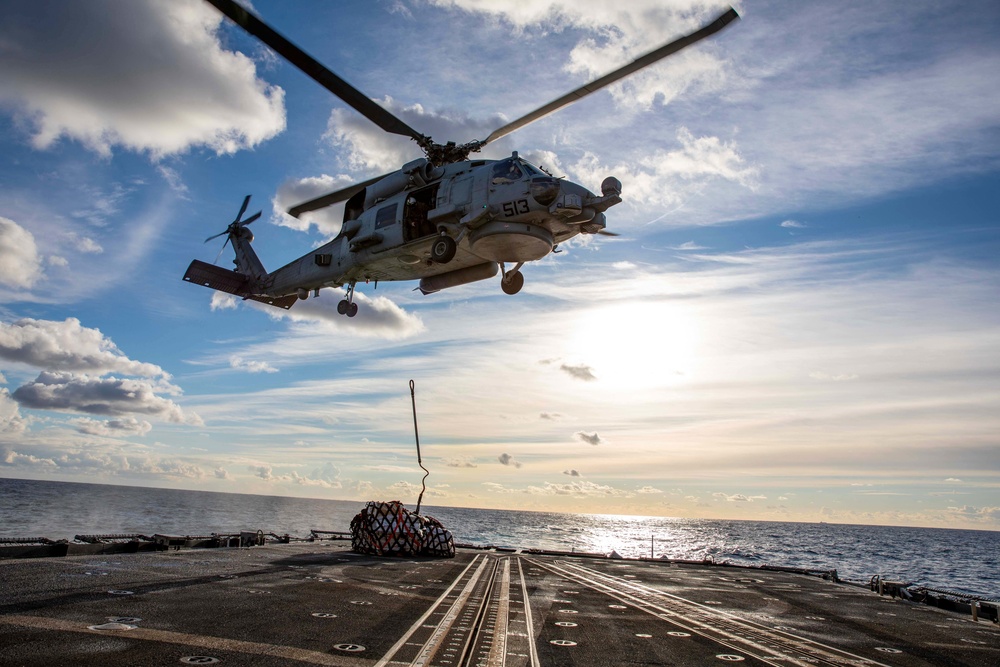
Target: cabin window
point(386, 216)
point(506, 171)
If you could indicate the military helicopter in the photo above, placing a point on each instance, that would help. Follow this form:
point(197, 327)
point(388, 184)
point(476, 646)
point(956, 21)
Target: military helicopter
point(442, 219)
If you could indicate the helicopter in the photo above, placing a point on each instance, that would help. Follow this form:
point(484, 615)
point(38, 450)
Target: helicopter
point(443, 219)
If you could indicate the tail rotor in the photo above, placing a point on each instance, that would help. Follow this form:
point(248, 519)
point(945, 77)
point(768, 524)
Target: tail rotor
point(236, 226)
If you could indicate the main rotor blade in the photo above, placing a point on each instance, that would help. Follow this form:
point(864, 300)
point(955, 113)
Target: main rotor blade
point(620, 73)
point(333, 197)
point(316, 71)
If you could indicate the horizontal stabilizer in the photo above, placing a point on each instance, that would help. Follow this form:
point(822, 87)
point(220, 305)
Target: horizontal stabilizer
point(231, 282)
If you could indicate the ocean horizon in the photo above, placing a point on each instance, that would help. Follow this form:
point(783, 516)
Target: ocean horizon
point(958, 560)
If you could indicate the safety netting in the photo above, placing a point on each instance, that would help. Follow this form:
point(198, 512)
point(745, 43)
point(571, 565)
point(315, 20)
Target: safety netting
point(389, 529)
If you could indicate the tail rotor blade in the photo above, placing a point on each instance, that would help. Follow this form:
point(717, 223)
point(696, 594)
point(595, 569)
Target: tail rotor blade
point(243, 209)
point(253, 217)
point(216, 236)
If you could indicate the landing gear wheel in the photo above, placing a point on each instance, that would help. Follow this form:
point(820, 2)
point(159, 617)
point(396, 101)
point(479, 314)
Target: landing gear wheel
point(352, 310)
point(512, 282)
point(443, 249)
point(343, 306)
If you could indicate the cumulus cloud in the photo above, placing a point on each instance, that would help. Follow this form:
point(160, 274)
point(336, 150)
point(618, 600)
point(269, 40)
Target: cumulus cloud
point(240, 363)
point(378, 317)
point(85, 462)
point(11, 420)
point(223, 301)
point(580, 371)
point(576, 489)
point(222, 473)
point(648, 489)
point(793, 224)
point(67, 346)
point(549, 416)
point(589, 438)
point(112, 427)
point(20, 263)
point(102, 396)
point(508, 460)
point(571, 473)
point(367, 148)
point(459, 463)
point(327, 220)
point(737, 497)
point(94, 72)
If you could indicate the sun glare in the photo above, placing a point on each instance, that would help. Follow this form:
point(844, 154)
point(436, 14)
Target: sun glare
point(635, 345)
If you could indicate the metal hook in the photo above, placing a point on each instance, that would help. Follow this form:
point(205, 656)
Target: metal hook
point(416, 435)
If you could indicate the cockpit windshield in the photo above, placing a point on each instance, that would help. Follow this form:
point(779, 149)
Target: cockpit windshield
point(507, 171)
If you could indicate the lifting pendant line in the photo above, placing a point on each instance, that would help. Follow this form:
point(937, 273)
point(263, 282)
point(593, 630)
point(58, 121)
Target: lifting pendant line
point(416, 436)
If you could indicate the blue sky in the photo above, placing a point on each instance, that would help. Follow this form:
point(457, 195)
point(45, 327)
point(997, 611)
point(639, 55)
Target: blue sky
point(798, 322)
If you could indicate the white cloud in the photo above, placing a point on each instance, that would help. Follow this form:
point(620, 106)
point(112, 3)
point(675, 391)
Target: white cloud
point(223, 301)
point(378, 317)
point(589, 438)
point(249, 366)
point(112, 427)
point(572, 472)
point(117, 90)
point(792, 224)
point(101, 396)
point(648, 490)
point(67, 346)
point(11, 420)
point(328, 220)
point(20, 263)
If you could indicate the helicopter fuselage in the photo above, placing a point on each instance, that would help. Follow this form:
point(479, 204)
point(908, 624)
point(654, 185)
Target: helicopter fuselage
point(495, 211)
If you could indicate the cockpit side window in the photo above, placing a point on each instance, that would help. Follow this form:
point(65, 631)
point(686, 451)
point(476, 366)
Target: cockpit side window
point(506, 171)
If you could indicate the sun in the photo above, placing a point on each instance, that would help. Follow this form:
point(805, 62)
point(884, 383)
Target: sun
point(636, 345)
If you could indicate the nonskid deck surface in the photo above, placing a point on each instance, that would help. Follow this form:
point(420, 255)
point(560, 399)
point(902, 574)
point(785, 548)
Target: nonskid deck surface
point(320, 604)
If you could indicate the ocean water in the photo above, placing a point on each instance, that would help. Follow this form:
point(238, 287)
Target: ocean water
point(964, 561)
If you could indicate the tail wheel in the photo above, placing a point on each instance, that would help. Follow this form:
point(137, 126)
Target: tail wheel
point(512, 282)
point(443, 249)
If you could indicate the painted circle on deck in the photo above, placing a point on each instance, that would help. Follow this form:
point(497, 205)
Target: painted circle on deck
point(349, 648)
point(679, 634)
point(361, 602)
point(568, 611)
point(323, 614)
point(111, 626)
point(124, 619)
point(642, 634)
point(617, 606)
point(885, 649)
point(566, 624)
point(118, 592)
point(730, 657)
point(199, 660)
point(562, 642)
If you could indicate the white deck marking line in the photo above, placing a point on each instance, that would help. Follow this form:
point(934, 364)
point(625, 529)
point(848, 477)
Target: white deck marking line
point(711, 622)
point(194, 641)
point(532, 650)
point(446, 622)
point(498, 647)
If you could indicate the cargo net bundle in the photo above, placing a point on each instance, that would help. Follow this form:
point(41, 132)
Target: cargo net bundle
point(389, 529)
